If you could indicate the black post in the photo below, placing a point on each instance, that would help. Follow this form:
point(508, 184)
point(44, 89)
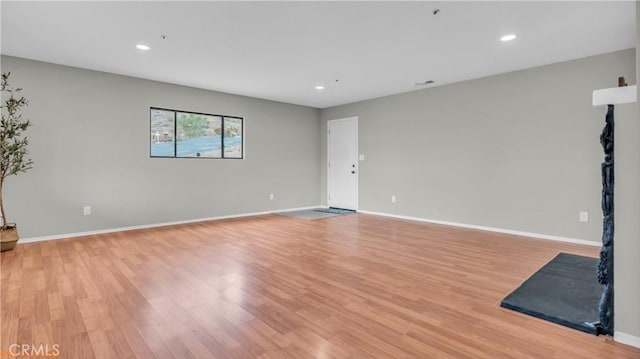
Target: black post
point(605, 266)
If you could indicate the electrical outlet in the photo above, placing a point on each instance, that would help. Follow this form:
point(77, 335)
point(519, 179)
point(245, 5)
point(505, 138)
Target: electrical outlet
point(361, 158)
point(584, 216)
point(393, 199)
point(87, 210)
point(271, 196)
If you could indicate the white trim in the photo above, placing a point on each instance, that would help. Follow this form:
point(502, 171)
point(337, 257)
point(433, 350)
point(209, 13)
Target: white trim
point(627, 339)
point(154, 225)
point(454, 224)
point(490, 229)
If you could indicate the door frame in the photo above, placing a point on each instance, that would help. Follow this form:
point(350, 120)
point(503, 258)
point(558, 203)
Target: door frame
point(353, 118)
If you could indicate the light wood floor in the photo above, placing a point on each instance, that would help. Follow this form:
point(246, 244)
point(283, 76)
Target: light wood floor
point(271, 286)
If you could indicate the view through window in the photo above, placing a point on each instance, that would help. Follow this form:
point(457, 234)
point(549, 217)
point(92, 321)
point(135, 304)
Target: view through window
point(182, 134)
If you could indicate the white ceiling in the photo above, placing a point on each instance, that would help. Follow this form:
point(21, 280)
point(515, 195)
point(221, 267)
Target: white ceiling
point(281, 51)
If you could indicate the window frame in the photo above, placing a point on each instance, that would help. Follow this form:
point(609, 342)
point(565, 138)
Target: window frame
point(175, 133)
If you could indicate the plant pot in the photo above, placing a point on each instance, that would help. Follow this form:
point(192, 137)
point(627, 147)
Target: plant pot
point(8, 237)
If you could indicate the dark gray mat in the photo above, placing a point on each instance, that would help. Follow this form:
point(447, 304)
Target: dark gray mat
point(335, 210)
point(307, 214)
point(317, 213)
point(565, 291)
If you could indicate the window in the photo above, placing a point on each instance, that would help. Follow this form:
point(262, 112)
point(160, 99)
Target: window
point(183, 134)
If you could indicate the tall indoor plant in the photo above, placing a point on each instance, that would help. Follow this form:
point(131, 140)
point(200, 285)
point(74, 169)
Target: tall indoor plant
point(13, 151)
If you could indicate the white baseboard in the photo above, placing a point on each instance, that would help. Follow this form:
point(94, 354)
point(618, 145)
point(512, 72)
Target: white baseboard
point(627, 339)
point(455, 224)
point(153, 225)
point(490, 229)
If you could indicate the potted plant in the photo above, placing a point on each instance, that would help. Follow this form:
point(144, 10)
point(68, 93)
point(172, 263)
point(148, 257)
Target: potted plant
point(13, 151)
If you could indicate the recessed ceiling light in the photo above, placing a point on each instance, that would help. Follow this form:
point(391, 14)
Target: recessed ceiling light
point(508, 37)
point(143, 47)
point(319, 87)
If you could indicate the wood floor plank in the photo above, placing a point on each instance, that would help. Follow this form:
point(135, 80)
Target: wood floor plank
point(356, 286)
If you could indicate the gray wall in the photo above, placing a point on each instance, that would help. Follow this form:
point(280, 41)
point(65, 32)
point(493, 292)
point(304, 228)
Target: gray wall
point(517, 151)
point(90, 146)
point(627, 210)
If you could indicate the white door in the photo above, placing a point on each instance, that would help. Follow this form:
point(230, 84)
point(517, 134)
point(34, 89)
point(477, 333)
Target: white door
point(342, 171)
